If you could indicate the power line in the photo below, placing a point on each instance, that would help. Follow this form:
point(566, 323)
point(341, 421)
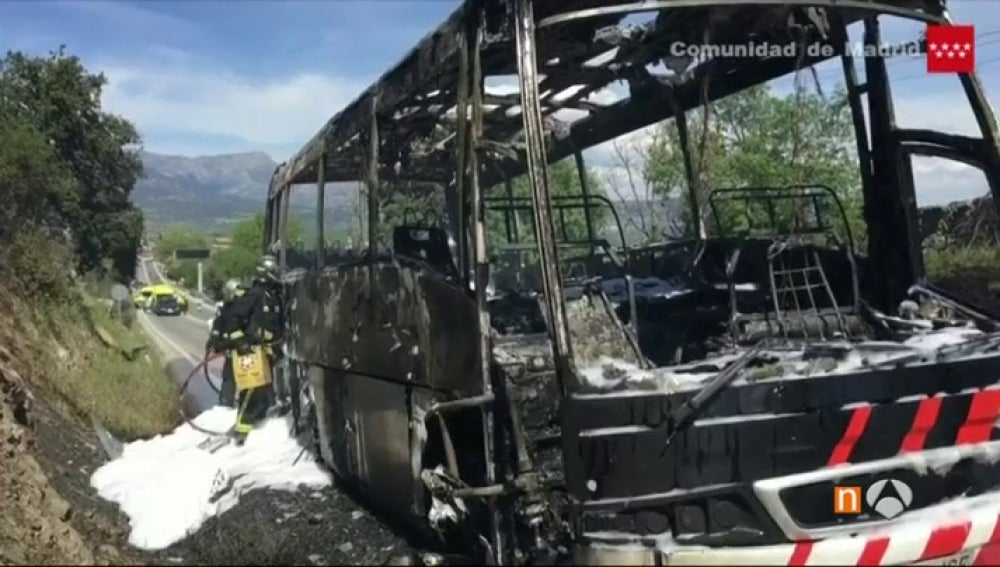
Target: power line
point(919, 75)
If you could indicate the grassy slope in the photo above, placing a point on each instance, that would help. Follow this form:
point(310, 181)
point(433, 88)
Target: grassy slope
point(118, 380)
point(56, 372)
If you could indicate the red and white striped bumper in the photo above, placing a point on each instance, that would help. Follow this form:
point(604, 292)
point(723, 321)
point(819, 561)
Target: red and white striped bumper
point(966, 533)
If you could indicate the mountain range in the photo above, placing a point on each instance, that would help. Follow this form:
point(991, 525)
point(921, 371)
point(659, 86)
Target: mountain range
point(205, 191)
point(211, 192)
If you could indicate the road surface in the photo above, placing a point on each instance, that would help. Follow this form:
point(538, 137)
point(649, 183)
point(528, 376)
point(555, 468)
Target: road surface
point(182, 340)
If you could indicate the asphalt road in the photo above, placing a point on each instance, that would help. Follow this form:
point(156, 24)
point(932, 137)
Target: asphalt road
point(181, 339)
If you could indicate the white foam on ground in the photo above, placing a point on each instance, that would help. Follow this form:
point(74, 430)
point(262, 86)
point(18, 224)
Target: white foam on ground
point(168, 487)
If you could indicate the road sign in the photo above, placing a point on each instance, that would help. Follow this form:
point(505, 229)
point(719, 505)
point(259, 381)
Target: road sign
point(119, 292)
point(119, 296)
point(191, 253)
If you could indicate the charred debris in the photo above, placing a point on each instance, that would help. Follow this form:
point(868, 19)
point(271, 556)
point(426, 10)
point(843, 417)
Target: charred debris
point(581, 332)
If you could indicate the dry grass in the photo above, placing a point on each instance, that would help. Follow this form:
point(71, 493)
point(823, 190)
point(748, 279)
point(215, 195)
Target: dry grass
point(124, 386)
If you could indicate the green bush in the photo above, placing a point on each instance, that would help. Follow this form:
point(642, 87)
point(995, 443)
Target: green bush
point(951, 261)
point(36, 267)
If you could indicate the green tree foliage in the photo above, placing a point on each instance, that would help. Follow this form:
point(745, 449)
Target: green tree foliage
point(240, 258)
point(65, 171)
point(179, 237)
point(61, 99)
point(36, 183)
point(248, 234)
point(759, 139)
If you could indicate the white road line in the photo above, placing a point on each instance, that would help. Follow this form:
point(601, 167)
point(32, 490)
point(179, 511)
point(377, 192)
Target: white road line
point(202, 322)
point(163, 341)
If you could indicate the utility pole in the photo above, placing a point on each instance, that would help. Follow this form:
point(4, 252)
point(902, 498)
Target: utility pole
point(199, 277)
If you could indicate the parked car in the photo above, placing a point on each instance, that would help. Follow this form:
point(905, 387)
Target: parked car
point(143, 298)
point(165, 304)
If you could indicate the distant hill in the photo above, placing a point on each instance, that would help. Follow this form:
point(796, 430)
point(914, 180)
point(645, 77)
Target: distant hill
point(211, 192)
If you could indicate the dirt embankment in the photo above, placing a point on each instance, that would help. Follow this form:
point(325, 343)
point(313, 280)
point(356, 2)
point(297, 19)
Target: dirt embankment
point(49, 386)
point(35, 527)
point(53, 378)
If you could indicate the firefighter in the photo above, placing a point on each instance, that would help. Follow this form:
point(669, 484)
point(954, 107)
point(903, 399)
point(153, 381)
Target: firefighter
point(231, 290)
point(235, 333)
point(269, 316)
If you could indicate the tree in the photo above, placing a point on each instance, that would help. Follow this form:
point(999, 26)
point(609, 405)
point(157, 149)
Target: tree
point(61, 100)
point(758, 139)
point(35, 259)
point(643, 190)
point(240, 259)
point(177, 237)
point(248, 234)
point(36, 184)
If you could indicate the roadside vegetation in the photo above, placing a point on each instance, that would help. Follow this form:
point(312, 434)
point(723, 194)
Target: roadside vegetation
point(235, 261)
point(67, 170)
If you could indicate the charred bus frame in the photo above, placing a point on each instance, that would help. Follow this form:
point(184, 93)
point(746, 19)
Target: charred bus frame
point(400, 130)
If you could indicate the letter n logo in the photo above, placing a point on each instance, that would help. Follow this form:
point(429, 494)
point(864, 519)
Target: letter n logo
point(846, 499)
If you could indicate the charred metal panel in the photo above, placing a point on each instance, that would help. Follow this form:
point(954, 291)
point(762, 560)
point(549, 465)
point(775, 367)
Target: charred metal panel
point(369, 437)
point(727, 514)
point(626, 455)
point(731, 514)
point(526, 364)
point(411, 331)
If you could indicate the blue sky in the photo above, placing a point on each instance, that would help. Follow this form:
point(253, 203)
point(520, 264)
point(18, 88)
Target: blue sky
point(203, 77)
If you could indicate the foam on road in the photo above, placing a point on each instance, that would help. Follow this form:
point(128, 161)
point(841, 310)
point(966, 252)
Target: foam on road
point(168, 487)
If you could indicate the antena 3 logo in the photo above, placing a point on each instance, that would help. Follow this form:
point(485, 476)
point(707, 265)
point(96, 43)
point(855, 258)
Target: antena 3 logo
point(887, 498)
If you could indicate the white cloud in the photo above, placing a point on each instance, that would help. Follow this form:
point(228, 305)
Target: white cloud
point(204, 102)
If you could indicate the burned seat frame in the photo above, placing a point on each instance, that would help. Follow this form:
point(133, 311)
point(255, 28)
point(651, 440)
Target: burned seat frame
point(796, 221)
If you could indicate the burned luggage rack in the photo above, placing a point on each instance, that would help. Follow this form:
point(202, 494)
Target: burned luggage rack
point(795, 220)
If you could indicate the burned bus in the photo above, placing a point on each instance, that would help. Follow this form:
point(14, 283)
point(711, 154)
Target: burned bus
point(764, 392)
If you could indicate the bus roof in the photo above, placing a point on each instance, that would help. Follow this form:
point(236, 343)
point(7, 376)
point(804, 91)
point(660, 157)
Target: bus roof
point(415, 99)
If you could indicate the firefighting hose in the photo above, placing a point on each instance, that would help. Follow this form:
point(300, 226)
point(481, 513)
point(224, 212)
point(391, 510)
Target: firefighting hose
point(203, 365)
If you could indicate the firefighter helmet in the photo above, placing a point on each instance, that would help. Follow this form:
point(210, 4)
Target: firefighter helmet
point(231, 289)
point(267, 268)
